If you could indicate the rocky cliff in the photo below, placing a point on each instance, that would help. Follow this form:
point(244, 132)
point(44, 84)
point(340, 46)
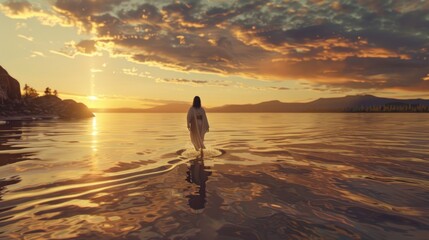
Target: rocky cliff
point(9, 86)
point(13, 107)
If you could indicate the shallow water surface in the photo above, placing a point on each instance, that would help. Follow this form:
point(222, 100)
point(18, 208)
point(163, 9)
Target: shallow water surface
point(263, 176)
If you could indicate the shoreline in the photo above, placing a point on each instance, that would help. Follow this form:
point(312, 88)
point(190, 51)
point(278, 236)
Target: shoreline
point(28, 118)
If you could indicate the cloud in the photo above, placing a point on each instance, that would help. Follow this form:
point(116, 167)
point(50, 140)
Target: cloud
point(195, 83)
point(19, 9)
point(22, 9)
point(37, 54)
point(135, 72)
point(161, 101)
point(28, 38)
point(280, 88)
point(95, 70)
point(130, 71)
point(20, 25)
point(86, 14)
point(72, 49)
point(61, 53)
point(343, 44)
point(86, 46)
point(217, 83)
point(182, 81)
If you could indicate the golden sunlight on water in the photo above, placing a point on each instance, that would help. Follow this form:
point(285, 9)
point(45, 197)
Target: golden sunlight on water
point(94, 144)
point(272, 176)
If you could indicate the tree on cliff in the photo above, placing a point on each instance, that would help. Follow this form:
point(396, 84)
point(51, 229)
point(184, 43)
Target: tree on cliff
point(26, 90)
point(48, 91)
point(33, 106)
point(30, 92)
point(33, 93)
point(55, 93)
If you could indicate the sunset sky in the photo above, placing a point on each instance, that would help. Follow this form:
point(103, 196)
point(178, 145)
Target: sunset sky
point(138, 54)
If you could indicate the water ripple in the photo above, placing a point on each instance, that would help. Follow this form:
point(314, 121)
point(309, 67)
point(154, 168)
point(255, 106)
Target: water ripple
point(283, 176)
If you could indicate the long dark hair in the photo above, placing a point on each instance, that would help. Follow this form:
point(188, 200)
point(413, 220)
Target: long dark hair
point(197, 102)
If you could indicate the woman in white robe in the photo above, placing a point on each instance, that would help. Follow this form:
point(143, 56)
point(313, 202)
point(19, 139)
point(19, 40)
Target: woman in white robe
point(198, 124)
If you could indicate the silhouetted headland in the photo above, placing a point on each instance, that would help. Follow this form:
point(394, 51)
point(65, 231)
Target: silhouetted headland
point(355, 103)
point(13, 106)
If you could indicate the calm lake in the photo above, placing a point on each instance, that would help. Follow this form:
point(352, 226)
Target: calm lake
point(263, 176)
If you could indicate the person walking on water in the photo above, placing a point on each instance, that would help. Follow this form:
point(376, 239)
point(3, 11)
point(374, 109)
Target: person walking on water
point(197, 124)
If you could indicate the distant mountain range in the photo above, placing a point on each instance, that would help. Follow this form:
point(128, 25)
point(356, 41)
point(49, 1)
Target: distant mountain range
point(167, 108)
point(355, 103)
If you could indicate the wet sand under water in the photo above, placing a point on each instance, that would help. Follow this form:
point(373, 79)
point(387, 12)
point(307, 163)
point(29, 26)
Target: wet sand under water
point(262, 181)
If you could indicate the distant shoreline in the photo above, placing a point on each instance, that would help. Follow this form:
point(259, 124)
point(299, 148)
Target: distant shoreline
point(347, 104)
point(28, 117)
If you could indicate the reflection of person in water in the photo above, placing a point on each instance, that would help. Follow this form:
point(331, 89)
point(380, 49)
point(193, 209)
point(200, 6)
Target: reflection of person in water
point(198, 175)
point(197, 124)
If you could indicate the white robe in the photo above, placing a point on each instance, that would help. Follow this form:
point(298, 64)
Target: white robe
point(198, 125)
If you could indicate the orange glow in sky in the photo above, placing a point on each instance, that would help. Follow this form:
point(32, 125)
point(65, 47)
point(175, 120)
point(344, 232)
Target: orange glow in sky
point(139, 54)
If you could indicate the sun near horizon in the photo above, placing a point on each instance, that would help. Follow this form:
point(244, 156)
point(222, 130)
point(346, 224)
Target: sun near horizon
point(314, 119)
point(123, 54)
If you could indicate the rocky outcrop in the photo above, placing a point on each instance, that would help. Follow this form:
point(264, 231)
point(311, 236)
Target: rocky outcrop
point(62, 108)
point(13, 107)
point(71, 109)
point(44, 107)
point(9, 86)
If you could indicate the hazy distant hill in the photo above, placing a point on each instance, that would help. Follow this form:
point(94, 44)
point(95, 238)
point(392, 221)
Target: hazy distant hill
point(170, 108)
point(173, 107)
point(356, 103)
